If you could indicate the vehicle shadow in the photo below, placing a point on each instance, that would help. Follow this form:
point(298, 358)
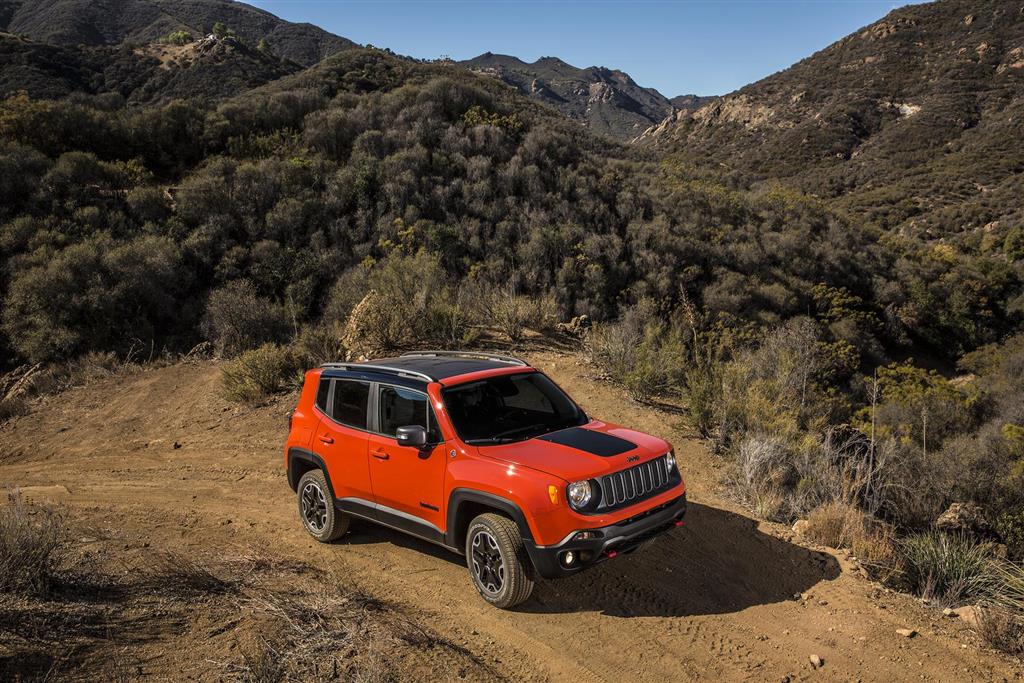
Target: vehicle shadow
point(717, 562)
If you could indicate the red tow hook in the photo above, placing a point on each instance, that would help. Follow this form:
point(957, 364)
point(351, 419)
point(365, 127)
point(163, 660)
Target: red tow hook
point(611, 553)
point(678, 522)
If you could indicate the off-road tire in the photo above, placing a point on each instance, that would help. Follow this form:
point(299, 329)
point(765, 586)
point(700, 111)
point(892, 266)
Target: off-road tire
point(325, 523)
point(517, 571)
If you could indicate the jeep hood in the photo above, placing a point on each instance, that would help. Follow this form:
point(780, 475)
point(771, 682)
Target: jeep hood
point(593, 450)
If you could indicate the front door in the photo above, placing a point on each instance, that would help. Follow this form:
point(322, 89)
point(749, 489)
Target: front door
point(408, 482)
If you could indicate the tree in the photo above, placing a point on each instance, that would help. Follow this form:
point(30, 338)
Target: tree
point(220, 30)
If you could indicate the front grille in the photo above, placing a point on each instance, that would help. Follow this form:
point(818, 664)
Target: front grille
point(635, 484)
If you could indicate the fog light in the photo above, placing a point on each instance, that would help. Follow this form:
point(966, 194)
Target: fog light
point(568, 558)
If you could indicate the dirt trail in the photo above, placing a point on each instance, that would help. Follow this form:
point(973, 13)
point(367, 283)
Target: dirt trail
point(159, 459)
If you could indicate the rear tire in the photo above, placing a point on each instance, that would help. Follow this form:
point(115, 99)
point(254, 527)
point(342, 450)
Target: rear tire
point(498, 564)
point(316, 508)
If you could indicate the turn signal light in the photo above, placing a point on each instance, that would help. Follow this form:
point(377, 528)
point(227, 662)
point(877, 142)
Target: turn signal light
point(553, 494)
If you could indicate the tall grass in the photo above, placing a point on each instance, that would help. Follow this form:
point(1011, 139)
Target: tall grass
point(950, 567)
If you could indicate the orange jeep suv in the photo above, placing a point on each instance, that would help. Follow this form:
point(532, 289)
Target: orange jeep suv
point(483, 455)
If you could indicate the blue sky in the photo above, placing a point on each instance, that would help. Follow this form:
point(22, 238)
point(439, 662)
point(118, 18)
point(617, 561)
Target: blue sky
point(676, 46)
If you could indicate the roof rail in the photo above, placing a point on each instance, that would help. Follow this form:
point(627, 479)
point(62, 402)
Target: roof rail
point(402, 372)
point(468, 354)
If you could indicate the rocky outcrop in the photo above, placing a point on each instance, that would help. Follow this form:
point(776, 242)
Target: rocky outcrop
point(966, 518)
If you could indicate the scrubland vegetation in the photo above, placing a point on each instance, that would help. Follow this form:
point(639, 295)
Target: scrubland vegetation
point(373, 204)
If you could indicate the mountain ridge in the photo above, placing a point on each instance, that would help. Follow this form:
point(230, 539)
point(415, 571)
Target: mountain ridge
point(909, 121)
point(98, 23)
point(607, 101)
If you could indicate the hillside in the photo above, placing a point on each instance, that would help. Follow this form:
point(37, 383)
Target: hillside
point(914, 122)
point(140, 22)
point(606, 101)
point(209, 68)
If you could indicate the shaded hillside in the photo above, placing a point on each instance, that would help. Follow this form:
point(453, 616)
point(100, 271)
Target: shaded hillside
point(112, 22)
point(208, 68)
point(915, 122)
point(606, 101)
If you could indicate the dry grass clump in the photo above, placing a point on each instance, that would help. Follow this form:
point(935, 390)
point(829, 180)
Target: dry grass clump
point(326, 630)
point(836, 525)
point(31, 547)
point(1002, 629)
point(878, 552)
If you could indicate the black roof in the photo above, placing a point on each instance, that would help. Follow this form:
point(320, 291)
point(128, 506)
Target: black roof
point(433, 365)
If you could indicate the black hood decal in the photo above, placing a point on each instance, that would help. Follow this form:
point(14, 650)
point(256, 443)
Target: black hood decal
point(597, 443)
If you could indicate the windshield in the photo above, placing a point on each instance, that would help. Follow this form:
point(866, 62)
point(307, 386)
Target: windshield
point(510, 408)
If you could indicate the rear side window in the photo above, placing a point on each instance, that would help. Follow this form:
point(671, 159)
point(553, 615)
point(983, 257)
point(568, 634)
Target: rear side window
point(350, 401)
point(402, 408)
point(321, 394)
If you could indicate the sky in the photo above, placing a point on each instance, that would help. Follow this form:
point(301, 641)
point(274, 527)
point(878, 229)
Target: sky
point(680, 47)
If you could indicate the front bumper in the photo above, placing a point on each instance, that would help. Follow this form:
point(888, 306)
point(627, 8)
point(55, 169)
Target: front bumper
point(609, 541)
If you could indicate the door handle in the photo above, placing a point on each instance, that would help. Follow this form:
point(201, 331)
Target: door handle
point(380, 455)
point(326, 439)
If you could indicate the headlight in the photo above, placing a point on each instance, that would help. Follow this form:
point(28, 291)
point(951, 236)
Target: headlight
point(670, 462)
point(579, 494)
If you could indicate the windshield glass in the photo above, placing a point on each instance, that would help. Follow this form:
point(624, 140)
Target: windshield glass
point(510, 408)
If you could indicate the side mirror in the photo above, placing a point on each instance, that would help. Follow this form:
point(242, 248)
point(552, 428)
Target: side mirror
point(411, 435)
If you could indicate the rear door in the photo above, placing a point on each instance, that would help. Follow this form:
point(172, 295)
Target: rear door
point(408, 482)
point(341, 437)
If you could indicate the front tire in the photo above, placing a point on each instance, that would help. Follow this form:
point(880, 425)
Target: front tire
point(497, 561)
point(316, 508)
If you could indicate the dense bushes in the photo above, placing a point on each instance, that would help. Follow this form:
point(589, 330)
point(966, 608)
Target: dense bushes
point(237, 319)
point(98, 294)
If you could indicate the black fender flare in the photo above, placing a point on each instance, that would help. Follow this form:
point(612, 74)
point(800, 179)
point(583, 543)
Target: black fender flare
point(463, 495)
point(304, 455)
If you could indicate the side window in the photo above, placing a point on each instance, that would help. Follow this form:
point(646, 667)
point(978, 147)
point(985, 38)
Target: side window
point(321, 394)
point(403, 407)
point(350, 402)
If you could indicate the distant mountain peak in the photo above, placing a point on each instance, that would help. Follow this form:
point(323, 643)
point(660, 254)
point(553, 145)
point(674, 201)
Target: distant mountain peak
point(607, 101)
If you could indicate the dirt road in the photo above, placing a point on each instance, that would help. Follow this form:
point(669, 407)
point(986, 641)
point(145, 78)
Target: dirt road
point(158, 459)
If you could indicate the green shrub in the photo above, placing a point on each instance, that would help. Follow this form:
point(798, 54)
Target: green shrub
point(950, 567)
point(702, 390)
point(510, 312)
point(410, 301)
point(318, 344)
point(1010, 527)
point(642, 351)
point(178, 38)
point(237, 319)
point(258, 374)
point(31, 547)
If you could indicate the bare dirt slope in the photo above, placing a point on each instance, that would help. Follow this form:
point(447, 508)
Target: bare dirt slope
point(158, 460)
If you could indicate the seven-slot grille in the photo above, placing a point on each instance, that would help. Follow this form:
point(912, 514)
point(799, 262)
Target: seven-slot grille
point(634, 484)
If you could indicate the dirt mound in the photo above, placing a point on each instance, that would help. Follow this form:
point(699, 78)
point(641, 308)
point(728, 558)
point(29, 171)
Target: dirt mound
point(157, 462)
